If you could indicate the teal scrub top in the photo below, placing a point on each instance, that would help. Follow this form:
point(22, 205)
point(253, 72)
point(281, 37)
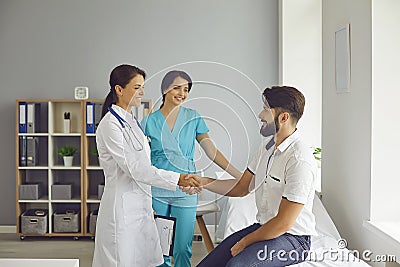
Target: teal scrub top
point(173, 150)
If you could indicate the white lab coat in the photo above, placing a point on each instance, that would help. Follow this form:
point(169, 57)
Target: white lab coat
point(126, 234)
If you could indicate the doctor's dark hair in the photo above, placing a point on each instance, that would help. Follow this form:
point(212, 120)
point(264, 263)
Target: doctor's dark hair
point(285, 99)
point(120, 75)
point(169, 79)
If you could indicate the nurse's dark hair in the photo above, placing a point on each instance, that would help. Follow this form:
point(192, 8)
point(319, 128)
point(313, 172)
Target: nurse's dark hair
point(169, 79)
point(285, 99)
point(120, 75)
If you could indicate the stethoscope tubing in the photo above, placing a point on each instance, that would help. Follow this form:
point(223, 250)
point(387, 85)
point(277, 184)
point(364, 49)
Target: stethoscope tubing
point(123, 124)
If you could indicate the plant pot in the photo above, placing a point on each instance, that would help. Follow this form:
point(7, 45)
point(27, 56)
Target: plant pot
point(68, 161)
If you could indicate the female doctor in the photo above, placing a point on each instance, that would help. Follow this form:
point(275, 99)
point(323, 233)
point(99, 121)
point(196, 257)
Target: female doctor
point(126, 234)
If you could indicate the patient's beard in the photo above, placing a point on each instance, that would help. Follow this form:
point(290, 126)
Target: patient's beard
point(268, 130)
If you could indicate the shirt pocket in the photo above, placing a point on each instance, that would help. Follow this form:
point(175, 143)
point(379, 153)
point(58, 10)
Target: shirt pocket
point(274, 180)
point(275, 186)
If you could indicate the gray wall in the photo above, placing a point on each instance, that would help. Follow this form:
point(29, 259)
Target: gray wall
point(48, 47)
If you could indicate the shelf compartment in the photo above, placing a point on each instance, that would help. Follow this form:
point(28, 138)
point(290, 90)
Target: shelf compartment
point(37, 177)
point(36, 118)
point(92, 157)
point(63, 208)
point(67, 177)
point(56, 116)
point(32, 151)
point(94, 179)
point(23, 207)
point(57, 161)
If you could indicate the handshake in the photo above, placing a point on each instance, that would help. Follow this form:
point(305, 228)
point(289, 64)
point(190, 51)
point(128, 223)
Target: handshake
point(191, 183)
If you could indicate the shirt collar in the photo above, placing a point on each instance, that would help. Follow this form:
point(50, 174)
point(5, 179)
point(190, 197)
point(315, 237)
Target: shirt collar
point(288, 141)
point(122, 112)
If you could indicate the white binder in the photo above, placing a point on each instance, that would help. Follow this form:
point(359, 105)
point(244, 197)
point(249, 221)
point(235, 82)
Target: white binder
point(166, 231)
point(33, 117)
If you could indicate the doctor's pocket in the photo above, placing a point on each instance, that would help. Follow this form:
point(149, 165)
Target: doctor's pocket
point(134, 207)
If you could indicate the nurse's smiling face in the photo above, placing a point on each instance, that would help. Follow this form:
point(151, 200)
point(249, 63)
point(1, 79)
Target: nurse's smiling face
point(132, 94)
point(177, 92)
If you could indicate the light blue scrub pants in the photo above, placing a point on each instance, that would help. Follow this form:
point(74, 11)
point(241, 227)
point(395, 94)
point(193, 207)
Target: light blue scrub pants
point(184, 210)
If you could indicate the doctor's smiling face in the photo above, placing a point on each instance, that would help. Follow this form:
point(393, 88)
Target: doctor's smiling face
point(131, 94)
point(177, 92)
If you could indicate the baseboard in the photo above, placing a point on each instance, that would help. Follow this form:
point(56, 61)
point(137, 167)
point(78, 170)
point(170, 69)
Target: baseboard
point(8, 229)
point(12, 229)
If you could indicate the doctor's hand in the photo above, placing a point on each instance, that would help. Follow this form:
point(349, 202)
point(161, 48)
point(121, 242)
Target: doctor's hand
point(187, 180)
point(190, 190)
point(195, 190)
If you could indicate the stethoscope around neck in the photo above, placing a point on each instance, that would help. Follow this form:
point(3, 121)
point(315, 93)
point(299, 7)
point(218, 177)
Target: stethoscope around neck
point(124, 123)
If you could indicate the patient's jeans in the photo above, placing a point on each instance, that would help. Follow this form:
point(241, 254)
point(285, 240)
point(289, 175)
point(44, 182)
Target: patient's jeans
point(284, 250)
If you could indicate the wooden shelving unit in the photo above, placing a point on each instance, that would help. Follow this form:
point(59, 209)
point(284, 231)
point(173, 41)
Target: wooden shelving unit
point(85, 174)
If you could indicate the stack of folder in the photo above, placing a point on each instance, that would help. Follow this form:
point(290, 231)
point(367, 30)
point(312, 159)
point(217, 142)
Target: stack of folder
point(29, 122)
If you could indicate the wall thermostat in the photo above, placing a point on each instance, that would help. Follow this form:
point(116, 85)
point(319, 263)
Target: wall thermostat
point(81, 93)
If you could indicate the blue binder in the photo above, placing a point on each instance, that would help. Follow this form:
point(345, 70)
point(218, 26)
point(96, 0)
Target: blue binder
point(22, 114)
point(90, 123)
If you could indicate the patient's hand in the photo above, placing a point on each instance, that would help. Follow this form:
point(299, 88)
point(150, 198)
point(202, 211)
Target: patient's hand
point(192, 189)
point(237, 248)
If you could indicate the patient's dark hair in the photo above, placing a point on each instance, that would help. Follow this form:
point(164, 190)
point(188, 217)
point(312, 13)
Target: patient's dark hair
point(286, 99)
point(120, 75)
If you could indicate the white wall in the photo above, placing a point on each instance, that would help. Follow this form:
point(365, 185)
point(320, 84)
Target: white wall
point(346, 125)
point(300, 59)
point(385, 110)
point(48, 47)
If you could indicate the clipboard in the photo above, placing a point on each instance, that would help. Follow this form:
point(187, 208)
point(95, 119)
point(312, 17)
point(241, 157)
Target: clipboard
point(166, 231)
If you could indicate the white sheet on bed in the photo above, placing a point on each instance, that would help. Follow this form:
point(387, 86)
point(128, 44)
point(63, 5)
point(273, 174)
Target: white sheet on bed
point(324, 247)
point(237, 212)
point(325, 251)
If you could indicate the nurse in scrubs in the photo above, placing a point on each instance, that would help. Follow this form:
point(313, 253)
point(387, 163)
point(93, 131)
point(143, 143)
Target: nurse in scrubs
point(173, 131)
point(126, 234)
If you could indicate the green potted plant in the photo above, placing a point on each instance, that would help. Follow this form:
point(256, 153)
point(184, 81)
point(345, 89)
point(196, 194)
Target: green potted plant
point(95, 158)
point(94, 152)
point(67, 152)
point(317, 153)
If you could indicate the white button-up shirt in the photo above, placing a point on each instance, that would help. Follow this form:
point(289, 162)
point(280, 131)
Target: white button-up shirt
point(291, 172)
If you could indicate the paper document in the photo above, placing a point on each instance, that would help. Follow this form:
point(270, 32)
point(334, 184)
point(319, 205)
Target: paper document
point(166, 231)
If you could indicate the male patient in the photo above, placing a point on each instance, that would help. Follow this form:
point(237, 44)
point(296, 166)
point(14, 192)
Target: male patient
point(282, 174)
